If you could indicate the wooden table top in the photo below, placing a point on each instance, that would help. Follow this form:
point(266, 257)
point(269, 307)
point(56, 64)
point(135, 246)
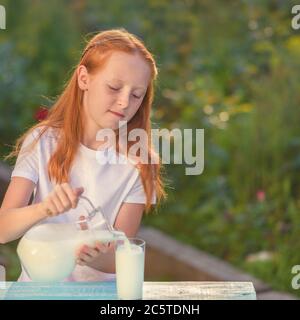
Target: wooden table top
point(177, 290)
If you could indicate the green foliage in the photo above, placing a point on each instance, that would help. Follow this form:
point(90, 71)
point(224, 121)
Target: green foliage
point(231, 69)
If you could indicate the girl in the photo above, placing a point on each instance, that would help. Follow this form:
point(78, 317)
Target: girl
point(57, 158)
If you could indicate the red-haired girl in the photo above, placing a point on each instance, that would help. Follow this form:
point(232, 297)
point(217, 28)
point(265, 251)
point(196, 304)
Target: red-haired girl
point(57, 157)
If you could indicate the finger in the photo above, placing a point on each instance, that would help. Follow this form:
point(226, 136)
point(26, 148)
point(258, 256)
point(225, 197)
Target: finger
point(80, 250)
point(55, 200)
point(82, 256)
point(87, 252)
point(91, 252)
point(78, 191)
point(64, 199)
point(102, 247)
point(80, 262)
point(83, 225)
point(85, 257)
point(72, 197)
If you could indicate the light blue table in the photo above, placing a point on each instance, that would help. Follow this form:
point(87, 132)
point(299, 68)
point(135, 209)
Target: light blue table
point(177, 290)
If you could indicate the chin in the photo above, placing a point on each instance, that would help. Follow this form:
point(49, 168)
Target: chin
point(112, 126)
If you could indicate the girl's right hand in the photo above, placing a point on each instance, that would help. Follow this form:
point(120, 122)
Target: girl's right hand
point(61, 199)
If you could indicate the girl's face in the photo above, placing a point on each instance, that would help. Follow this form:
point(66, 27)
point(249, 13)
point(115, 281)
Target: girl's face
point(115, 92)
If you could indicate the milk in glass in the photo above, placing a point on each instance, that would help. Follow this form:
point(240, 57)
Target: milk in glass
point(130, 260)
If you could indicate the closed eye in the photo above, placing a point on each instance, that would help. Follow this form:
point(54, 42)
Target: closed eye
point(116, 89)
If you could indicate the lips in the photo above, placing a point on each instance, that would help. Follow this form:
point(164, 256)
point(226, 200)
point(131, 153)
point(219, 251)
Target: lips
point(117, 114)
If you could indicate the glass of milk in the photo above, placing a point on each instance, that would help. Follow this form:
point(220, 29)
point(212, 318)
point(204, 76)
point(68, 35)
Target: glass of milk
point(130, 262)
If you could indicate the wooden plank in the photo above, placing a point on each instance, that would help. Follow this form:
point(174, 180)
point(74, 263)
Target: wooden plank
point(199, 290)
point(178, 290)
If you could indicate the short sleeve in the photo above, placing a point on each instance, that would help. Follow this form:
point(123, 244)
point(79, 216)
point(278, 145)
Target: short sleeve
point(27, 161)
point(137, 193)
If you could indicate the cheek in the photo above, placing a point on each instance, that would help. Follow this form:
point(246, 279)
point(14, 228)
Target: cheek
point(99, 101)
point(133, 110)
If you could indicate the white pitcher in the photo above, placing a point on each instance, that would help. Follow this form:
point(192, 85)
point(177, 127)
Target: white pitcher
point(48, 251)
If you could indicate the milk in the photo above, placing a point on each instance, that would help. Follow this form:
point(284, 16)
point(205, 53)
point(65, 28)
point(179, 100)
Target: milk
point(46, 261)
point(130, 260)
point(48, 251)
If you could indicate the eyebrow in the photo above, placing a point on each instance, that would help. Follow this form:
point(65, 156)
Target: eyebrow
point(140, 87)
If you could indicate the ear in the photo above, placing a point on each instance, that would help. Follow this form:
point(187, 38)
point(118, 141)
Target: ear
point(83, 77)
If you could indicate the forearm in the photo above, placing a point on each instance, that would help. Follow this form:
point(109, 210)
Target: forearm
point(16, 221)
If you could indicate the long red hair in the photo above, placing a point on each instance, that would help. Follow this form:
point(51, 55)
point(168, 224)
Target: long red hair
point(68, 110)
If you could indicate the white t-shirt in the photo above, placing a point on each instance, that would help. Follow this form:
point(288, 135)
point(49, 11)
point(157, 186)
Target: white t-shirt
point(105, 183)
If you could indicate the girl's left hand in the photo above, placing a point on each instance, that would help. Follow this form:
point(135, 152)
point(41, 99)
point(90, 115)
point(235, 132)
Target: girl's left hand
point(88, 255)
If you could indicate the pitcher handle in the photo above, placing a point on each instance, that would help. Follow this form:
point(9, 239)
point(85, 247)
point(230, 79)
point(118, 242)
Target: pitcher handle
point(92, 213)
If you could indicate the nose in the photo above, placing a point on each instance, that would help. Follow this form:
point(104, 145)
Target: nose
point(123, 101)
point(122, 104)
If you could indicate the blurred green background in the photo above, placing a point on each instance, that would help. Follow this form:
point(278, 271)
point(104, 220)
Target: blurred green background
point(230, 67)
